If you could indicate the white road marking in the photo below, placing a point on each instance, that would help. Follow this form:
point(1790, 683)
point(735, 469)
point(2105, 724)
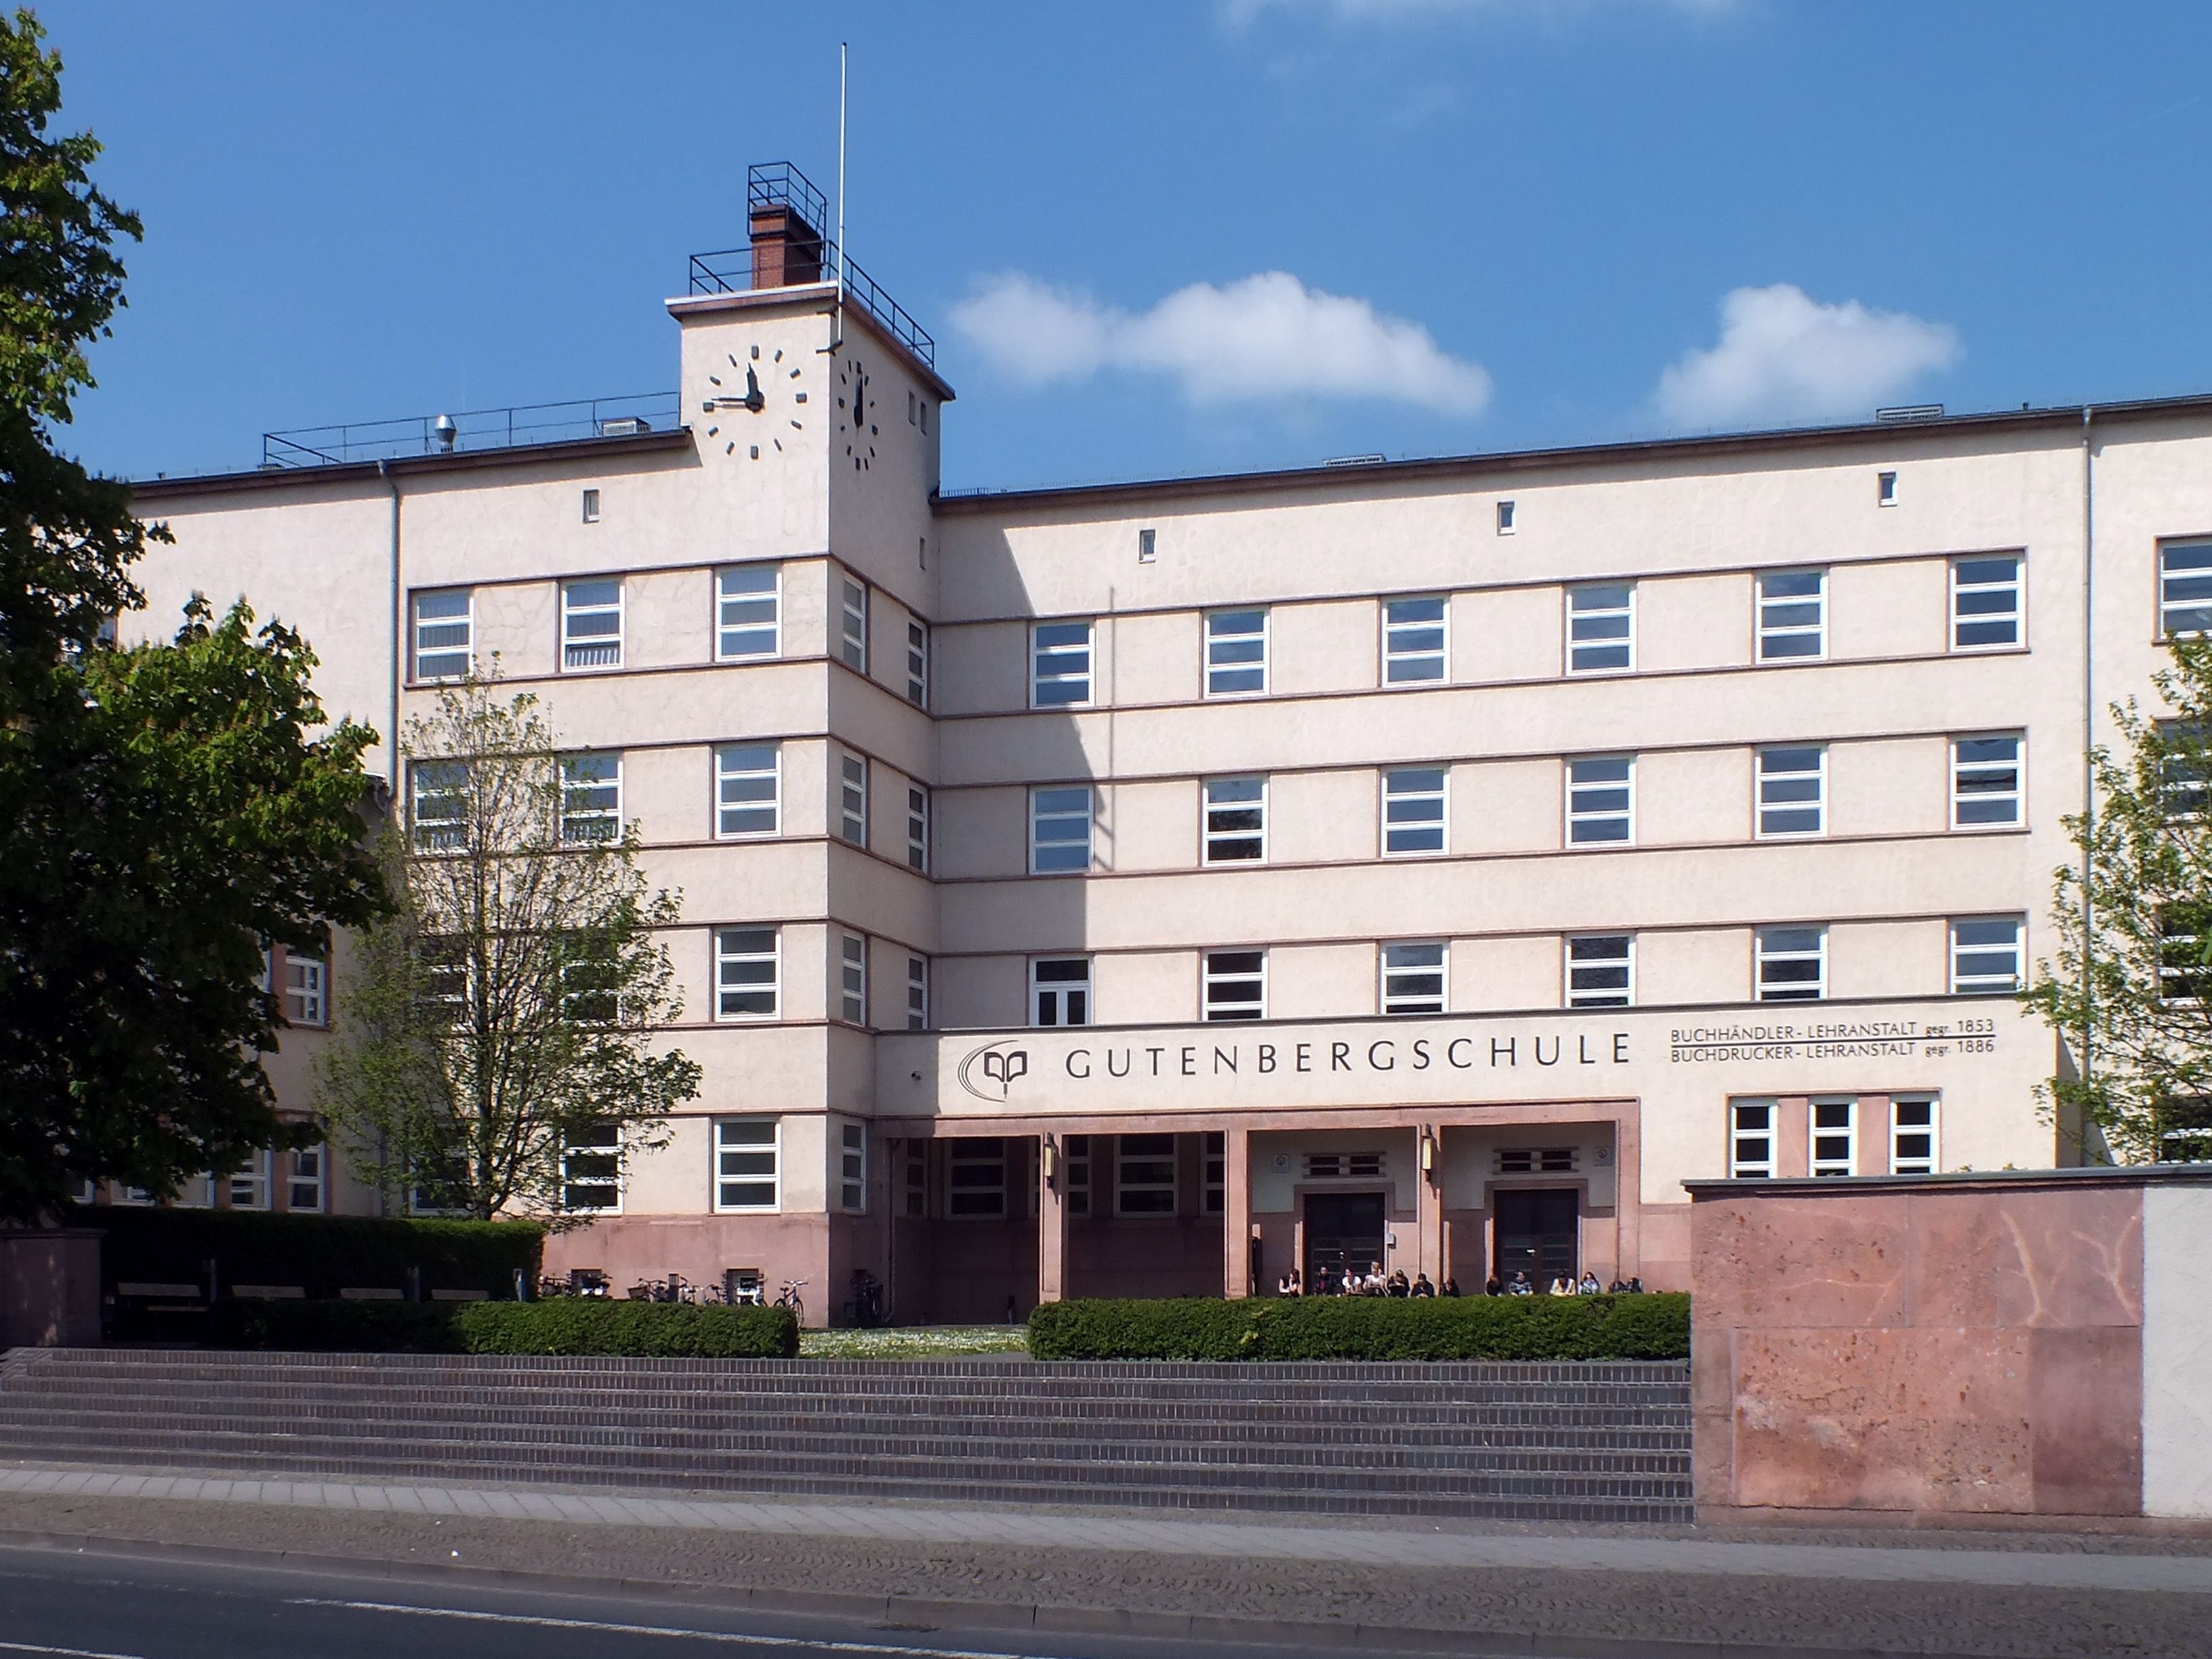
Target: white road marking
point(64, 1653)
point(808, 1644)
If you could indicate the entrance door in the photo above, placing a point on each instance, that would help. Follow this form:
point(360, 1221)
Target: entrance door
point(1537, 1231)
point(1342, 1228)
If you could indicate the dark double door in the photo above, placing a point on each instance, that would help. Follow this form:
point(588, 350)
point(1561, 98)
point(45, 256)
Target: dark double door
point(1343, 1230)
point(1536, 1230)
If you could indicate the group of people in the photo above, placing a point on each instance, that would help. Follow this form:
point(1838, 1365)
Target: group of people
point(1563, 1285)
point(1350, 1281)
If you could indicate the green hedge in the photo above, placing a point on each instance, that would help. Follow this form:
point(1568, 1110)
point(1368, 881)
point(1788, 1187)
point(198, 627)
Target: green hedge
point(322, 1255)
point(1647, 1327)
point(566, 1325)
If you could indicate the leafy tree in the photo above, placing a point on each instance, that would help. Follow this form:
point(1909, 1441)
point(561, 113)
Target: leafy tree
point(505, 1013)
point(2130, 990)
point(163, 809)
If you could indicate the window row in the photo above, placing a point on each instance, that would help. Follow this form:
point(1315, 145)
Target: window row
point(748, 626)
point(748, 979)
point(298, 1178)
point(1790, 624)
point(1790, 780)
point(1833, 1130)
point(747, 780)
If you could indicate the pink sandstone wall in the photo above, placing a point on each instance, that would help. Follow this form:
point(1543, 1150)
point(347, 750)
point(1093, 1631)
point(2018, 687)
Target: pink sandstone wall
point(50, 1288)
point(1948, 1351)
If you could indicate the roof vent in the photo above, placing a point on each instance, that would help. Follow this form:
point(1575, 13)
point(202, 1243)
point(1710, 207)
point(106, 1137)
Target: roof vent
point(1355, 460)
point(1911, 412)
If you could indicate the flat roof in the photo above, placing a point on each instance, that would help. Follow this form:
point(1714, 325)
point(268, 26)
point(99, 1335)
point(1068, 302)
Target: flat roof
point(462, 460)
point(2066, 416)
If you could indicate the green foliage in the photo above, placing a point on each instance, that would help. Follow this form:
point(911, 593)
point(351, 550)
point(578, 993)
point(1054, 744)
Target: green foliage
point(321, 1255)
point(1645, 1327)
point(2130, 992)
point(163, 809)
point(507, 1008)
point(565, 1325)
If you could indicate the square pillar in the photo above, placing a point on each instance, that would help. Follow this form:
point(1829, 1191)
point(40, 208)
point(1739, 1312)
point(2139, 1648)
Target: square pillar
point(1052, 1219)
point(50, 1287)
point(1236, 1213)
point(1428, 1203)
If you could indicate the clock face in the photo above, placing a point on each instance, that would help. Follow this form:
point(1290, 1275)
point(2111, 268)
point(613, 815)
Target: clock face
point(856, 414)
point(756, 402)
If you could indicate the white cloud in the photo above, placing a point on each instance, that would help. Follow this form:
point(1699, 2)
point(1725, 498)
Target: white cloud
point(1267, 336)
point(1784, 356)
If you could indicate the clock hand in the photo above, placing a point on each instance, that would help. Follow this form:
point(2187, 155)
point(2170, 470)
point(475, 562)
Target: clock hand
point(753, 398)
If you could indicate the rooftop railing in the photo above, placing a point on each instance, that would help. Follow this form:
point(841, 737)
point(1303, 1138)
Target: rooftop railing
point(730, 270)
point(472, 430)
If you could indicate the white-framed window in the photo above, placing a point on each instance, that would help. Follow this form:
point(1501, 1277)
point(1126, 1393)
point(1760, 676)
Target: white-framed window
point(853, 1168)
point(1144, 1175)
point(917, 664)
point(592, 625)
point(917, 994)
point(438, 808)
point(307, 987)
point(2184, 588)
point(1793, 792)
point(1236, 821)
point(1060, 830)
point(1885, 490)
point(444, 634)
point(83, 1189)
point(1793, 615)
point(1602, 628)
point(853, 797)
point(1751, 1137)
point(748, 972)
point(853, 979)
point(1600, 970)
point(304, 1187)
point(1601, 800)
point(1985, 603)
point(1060, 664)
point(590, 1170)
point(1236, 653)
point(196, 1193)
point(1986, 780)
point(1790, 963)
point(1216, 1193)
point(249, 1181)
point(917, 828)
point(1413, 807)
point(2185, 770)
point(1060, 991)
point(1835, 1136)
point(1912, 1146)
point(591, 798)
point(1234, 984)
point(853, 624)
point(1986, 955)
point(748, 1163)
point(975, 1179)
point(1414, 977)
point(748, 612)
point(1505, 518)
point(590, 990)
point(747, 790)
point(1075, 1173)
point(2184, 973)
point(1148, 546)
point(591, 507)
point(1415, 640)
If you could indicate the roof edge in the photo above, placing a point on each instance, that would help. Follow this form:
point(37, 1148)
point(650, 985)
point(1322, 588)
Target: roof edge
point(280, 478)
point(2066, 416)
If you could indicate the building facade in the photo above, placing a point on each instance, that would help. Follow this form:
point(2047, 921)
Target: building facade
point(1147, 889)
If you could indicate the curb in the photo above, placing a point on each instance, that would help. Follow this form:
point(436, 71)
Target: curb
point(945, 1613)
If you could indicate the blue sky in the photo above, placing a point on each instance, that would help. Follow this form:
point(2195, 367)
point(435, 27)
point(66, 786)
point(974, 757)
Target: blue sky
point(1163, 238)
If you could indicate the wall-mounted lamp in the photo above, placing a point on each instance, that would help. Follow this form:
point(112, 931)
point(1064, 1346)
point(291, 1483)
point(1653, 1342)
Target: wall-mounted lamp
point(1051, 1161)
point(1428, 1151)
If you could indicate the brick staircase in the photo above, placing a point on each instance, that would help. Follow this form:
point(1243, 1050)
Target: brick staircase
point(1605, 1442)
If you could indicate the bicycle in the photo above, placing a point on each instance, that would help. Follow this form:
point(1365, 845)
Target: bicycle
point(865, 1310)
point(789, 1298)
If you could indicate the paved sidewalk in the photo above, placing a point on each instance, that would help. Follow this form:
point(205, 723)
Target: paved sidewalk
point(1395, 1547)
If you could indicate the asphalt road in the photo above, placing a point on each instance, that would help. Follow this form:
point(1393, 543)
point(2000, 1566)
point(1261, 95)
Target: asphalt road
point(70, 1604)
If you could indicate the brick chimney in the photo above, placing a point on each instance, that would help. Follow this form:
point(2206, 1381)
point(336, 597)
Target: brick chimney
point(787, 250)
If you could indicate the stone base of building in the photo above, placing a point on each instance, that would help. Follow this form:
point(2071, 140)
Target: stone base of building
point(50, 1287)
